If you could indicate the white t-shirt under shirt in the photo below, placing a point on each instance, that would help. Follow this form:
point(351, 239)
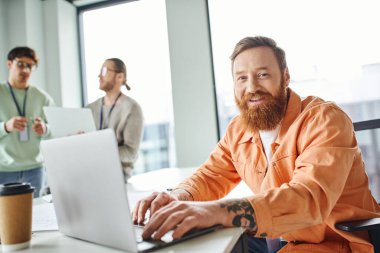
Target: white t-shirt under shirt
point(267, 138)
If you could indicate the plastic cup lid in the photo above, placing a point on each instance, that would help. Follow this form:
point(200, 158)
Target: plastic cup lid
point(15, 188)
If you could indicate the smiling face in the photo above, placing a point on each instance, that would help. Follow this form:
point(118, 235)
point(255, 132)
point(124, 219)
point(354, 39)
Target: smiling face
point(260, 88)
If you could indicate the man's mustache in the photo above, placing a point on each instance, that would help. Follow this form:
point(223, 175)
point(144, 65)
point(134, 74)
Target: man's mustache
point(256, 95)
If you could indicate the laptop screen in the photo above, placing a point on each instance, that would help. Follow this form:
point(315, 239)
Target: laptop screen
point(68, 121)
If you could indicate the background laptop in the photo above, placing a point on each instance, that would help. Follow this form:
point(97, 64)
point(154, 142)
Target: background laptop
point(68, 121)
point(89, 193)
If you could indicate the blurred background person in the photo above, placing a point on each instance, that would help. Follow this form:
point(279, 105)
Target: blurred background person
point(22, 122)
point(118, 111)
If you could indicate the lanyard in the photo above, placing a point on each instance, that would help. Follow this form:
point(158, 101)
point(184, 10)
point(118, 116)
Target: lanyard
point(109, 113)
point(20, 113)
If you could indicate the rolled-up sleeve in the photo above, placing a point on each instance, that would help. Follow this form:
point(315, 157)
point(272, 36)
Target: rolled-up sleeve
point(216, 177)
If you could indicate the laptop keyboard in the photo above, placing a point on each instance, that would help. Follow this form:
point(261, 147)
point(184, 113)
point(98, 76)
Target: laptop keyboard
point(138, 235)
point(165, 239)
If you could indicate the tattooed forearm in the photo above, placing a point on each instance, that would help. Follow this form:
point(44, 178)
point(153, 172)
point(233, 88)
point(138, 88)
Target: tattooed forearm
point(243, 213)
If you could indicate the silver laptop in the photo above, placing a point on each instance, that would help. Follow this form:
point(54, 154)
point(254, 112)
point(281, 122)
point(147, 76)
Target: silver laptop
point(68, 121)
point(89, 193)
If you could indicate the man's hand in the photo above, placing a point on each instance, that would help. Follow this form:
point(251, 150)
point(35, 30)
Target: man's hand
point(39, 126)
point(153, 202)
point(182, 216)
point(16, 124)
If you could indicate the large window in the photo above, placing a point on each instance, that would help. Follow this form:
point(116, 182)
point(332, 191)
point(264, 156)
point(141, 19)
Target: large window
point(332, 51)
point(135, 32)
point(332, 48)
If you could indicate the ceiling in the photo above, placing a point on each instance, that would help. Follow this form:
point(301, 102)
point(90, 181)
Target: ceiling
point(84, 2)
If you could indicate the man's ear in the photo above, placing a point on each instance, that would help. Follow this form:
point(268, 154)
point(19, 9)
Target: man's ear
point(286, 77)
point(120, 76)
point(9, 63)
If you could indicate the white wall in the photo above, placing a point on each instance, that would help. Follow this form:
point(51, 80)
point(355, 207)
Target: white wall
point(53, 73)
point(192, 81)
point(23, 27)
point(34, 37)
point(3, 42)
point(69, 55)
point(50, 28)
point(63, 74)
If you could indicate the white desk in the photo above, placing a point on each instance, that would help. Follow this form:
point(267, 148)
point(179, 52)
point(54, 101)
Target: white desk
point(54, 242)
point(216, 242)
point(161, 180)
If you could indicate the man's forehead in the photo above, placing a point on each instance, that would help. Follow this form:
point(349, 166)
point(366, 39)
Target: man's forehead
point(108, 64)
point(260, 58)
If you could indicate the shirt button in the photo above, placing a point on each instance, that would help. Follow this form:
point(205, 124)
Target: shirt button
point(263, 234)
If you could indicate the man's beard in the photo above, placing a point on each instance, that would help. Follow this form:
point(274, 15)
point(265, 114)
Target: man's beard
point(107, 86)
point(266, 116)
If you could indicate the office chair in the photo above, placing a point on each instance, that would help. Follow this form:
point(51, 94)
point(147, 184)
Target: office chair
point(371, 225)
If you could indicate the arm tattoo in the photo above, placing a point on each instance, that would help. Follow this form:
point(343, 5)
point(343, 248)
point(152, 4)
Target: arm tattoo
point(244, 213)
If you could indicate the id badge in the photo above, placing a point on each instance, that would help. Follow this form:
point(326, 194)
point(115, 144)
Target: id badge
point(24, 135)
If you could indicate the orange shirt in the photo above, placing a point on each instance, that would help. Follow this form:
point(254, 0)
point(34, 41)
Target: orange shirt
point(315, 178)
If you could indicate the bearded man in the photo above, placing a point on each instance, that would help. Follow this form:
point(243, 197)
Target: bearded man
point(120, 112)
point(298, 156)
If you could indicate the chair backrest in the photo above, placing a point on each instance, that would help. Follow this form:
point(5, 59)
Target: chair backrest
point(368, 136)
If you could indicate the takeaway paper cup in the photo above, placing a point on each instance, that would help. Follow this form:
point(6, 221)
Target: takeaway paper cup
point(15, 216)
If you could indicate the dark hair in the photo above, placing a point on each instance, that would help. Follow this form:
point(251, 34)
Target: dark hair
point(120, 68)
point(19, 52)
point(260, 41)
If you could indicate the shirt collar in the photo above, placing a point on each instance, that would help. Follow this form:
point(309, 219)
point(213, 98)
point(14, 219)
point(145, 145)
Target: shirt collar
point(293, 109)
